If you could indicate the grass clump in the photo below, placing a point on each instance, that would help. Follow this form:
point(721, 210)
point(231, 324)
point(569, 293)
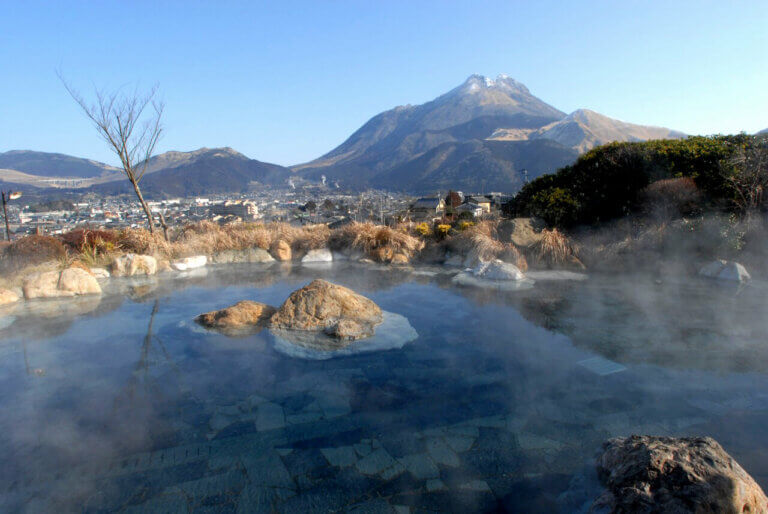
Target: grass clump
point(378, 242)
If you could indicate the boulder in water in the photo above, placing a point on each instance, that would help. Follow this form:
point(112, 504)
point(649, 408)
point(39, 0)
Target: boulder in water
point(725, 270)
point(319, 255)
point(7, 296)
point(498, 270)
point(55, 284)
point(242, 315)
point(132, 264)
point(99, 272)
point(255, 255)
point(281, 250)
point(668, 474)
point(188, 263)
point(322, 305)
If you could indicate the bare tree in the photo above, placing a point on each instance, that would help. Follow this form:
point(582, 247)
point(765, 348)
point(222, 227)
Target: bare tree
point(130, 124)
point(747, 174)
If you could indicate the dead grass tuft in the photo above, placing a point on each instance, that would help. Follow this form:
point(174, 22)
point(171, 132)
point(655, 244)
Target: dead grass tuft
point(555, 249)
point(378, 242)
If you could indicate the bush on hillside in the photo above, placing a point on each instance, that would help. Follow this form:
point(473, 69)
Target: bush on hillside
point(606, 182)
point(31, 251)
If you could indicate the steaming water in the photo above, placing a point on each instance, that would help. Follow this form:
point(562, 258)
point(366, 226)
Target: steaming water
point(501, 402)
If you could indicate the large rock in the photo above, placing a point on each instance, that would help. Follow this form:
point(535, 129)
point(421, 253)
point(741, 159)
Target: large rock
point(54, 284)
point(320, 255)
point(188, 263)
point(498, 270)
point(132, 264)
point(322, 306)
point(674, 475)
point(281, 250)
point(7, 296)
point(78, 282)
point(100, 273)
point(725, 270)
point(255, 255)
point(522, 232)
point(242, 315)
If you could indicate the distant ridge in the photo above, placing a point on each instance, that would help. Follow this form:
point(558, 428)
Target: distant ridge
point(481, 134)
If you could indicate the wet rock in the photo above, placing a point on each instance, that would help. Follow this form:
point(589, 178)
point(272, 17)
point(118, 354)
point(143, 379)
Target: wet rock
point(7, 296)
point(188, 263)
point(349, 330)
point(78, 282)
point(100, 273)
point(400, 258)
point(498, 270)
point(522, 232)
point(676, 475)
point(321, 255)
point(281, 250)
point(322, 305)
point(242, 315)
point(256, 255)
point(725, 270)
point(54, 284)
point(131, 264)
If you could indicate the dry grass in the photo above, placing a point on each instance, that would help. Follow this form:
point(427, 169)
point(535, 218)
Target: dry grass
point(31, 251)
point(379, 242)
point(481, 242)
point(555, 250)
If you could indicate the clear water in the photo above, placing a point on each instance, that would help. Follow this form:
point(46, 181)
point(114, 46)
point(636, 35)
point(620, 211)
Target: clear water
point(501, 403)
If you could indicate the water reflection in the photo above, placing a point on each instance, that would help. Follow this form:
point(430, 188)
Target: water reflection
point(487, 409)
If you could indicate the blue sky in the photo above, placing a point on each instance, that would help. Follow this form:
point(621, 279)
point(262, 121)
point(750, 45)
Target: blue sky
point(287, 81)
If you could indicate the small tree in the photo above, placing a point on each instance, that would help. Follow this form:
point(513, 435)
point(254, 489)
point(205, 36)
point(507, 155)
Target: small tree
point(130, 124)
point(747, 174)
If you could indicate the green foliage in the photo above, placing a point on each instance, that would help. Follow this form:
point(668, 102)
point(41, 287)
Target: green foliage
point(606, 182)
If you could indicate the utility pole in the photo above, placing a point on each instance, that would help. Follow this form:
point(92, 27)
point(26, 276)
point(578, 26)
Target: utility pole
point(8, 196)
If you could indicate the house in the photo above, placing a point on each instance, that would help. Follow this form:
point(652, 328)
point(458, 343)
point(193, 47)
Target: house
point(246, 210)
point(428, 205)
point(481, 201)
point(472, 208)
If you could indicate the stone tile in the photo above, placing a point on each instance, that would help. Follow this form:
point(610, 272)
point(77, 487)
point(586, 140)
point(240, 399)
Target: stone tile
point(270, 417)
point(420, 466)
point(529, 441)
point(377, 506)
point(342, 457)
point(363, 449)
point(459, 443)
point(262, 499)
point(268, 470)
point(393, 471)
point(435, 484)
point(476, 485)
point(441, 453)
point(304, 417)
point(464, 430)
point(375, 463)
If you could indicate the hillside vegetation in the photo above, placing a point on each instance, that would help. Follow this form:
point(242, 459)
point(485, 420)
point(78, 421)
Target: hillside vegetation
point(615, 180)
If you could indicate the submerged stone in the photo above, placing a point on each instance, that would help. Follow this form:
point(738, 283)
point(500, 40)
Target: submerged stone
point(242, 315)
point(725, 270)
point(394, 332)
point(188, 263)
point(132, 264)
point(319, 255)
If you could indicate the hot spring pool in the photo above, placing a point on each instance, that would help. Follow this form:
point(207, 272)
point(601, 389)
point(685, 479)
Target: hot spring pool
point(500, 403)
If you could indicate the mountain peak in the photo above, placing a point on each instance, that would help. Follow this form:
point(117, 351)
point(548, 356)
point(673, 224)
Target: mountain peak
point(476, 83)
